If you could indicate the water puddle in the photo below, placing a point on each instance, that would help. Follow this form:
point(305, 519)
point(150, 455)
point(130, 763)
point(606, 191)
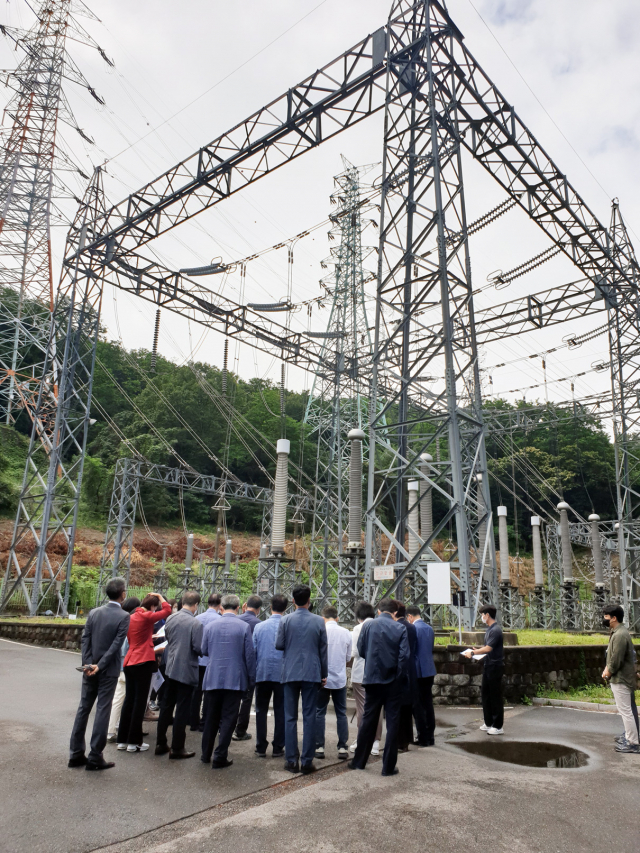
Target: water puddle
point(527, 753)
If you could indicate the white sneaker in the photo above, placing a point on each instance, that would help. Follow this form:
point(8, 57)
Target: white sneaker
point(138, 747)
point(320, 752)
point(484, 727)
point(343, 752)
point(353, 746)
point(111, 738)
point(494, 731)
point(122, 746)
point(375, 749)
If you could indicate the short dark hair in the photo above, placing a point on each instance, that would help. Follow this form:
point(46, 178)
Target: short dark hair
point(364, 610)
point(301, 594)
point(130, 604)
point(214, 599)
point(490, 609)
point(614, 610)
point(330, 612)
point(387, 605)
point(114, 588)
point(151, 600)
point(279, 603)
point(190, 598)
point(401, 612)
point(413, 610)
point(254, 602)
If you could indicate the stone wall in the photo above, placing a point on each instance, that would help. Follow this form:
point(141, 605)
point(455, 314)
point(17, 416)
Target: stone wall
point(55, 636)
point(458, 681)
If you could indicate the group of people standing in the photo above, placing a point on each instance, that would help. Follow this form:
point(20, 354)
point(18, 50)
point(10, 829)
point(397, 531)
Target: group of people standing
point(214, 662)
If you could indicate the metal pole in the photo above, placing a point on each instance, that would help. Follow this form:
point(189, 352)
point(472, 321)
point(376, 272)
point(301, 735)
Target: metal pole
point(596, 549)
point(537, 550)
point(565, 542)
point(503, 538)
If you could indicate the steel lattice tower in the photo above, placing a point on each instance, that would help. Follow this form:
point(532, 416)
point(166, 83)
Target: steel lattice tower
point(336, 403)
point(29, 187)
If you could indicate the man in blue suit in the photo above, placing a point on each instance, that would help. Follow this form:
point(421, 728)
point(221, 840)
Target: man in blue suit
point(250, 616)
point(425, 673)
point(384, 645)
point(303, 639)
point(231, 670)
point(269, 679)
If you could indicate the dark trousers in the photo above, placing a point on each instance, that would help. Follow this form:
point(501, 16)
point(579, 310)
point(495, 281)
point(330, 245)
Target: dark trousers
point(244, 714)
point(100, 687)
point(196, 701)
point(339, 698)
point(220, 715)
point(293, 690)
point(492, 704)
point(176, 703)
point(264, 691)
point(423, 710)
point(405, 726)
point(634, 710)
point(378, 696)
point(138, 681)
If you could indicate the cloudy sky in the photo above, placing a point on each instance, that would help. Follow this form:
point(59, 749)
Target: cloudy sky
point(186, 72)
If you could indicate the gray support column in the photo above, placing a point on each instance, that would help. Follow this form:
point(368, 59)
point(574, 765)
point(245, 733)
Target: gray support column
point(596, 549)
point(503, 538)
point(354, 542)
point(188, 560)
point(482, 529)
point(565, 542)
point(537, 551)
point(227, 557)
point(414, 518)
point(280, 494)
point(426, 502)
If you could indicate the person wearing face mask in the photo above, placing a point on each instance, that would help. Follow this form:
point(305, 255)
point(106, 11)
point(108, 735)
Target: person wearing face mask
point(493, 648)
point(620, 672)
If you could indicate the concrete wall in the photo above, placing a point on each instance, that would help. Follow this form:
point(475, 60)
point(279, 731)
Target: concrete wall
point(560, 667)
point(55, 636)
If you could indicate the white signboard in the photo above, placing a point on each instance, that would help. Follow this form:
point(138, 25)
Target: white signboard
point(439, 583)
point(383, 573)
point(264, 585)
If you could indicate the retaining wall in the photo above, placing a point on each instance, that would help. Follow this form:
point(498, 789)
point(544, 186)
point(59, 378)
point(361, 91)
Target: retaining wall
point(54, 636)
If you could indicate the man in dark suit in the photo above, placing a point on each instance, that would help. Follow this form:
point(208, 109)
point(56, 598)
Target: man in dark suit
point(104, 633)
point(303, 639)
point(425, 673)
point(183, 633)
point(384, 645)
point(231, 670)
point(250, 616)
point(405, 727)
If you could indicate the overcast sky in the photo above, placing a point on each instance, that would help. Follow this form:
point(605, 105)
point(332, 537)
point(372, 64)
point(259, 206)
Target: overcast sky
point(186, 72)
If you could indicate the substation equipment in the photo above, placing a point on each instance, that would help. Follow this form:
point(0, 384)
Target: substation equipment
point(420, 379)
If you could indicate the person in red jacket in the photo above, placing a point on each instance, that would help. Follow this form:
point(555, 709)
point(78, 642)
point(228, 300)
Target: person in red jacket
point(139, 666)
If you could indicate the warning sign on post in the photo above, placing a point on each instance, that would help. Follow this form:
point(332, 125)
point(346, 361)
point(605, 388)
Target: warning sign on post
point(383, 573)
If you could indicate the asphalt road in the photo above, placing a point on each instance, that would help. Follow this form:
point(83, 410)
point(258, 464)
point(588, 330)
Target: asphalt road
point(443, 799)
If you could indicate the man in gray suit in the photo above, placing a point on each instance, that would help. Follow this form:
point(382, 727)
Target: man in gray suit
point(230, 672)
point(303, 639)
point(183, 633)
point(104, 633)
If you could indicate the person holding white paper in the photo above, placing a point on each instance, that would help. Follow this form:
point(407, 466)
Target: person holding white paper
point(493, 655)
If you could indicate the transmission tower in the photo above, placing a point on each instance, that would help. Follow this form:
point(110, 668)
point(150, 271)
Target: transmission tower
point(31, 163)
point(336, 402)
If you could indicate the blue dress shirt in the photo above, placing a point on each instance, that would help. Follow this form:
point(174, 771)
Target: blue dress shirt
point(269, 659)
point(206, 617)
point(232, 660)
point(425, 666)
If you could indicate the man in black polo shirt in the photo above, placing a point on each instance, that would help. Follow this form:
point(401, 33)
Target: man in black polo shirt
point(492, 704)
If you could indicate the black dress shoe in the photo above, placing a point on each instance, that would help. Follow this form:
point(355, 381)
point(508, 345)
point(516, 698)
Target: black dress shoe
point(305, 769)
point(181, 753)
point(245, 736)
point(260, 754)
point(277, 753)
point(219, 765)
point(162, 749)
point(291, 766)
point(80, 761)
point(194, 728)
point(353, 766)
point(99, 765)
point(393, 772)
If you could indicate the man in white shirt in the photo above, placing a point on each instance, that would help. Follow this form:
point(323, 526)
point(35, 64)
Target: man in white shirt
point(364, 613)
point(338, 653)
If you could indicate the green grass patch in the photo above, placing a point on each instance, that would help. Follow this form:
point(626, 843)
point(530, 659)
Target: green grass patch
point(588, 693)
point(560, 638)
